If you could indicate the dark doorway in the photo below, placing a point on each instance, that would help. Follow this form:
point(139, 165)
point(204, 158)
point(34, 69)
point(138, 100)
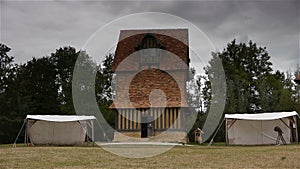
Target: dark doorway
point(144, 130)
point(147, 127)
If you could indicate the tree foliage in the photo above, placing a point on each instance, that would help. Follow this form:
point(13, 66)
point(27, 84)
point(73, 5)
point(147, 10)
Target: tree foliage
point(252, 85)
point(44, 86)
point(64, 61)
point(7, 107)
point(105, 88)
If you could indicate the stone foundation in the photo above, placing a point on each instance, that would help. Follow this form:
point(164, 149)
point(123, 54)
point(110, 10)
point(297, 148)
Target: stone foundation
point(160, 136)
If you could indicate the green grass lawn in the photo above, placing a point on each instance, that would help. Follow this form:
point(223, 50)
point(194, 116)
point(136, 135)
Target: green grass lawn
point(216, 156)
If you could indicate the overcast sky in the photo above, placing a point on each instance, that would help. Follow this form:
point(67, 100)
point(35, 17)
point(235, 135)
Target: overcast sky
point(36, 29)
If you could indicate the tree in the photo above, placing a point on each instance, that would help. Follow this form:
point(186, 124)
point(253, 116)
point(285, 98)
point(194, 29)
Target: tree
point(296, 98)
point(246, 67)
point(193, 90)
point(44, 86)
point(105, 88)
point(38, 89)
point(104, 79)
point(64, 60)
point(32, 91)
point(194, 100)
point(251, 84)
point(276, 92)
point(8, 120)
point(296, 88)
point(94, 81)
point(6, 67)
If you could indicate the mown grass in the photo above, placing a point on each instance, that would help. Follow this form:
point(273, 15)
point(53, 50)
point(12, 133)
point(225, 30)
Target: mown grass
point(216, 156)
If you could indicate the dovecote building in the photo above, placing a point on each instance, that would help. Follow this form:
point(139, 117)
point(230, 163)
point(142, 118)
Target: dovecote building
point(151, 70)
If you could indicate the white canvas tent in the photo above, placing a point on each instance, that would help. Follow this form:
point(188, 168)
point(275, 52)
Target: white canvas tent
point(58, 129)
point(258, 129)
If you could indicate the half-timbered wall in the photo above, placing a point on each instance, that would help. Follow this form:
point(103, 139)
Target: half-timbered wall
point(168, 118)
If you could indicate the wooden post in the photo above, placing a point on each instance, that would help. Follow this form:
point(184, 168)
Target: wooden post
point(93, 136)
point(123, 118)
point(168, 121)
point(159, 118)
point(134, 118)
point(226, 132)
point(126, 119)
point(183, 114)
point(175, 117)
point(171, 118)
point(155, 118)
point(163, 119)
point(130, 118)
point(179, 118)
point(119, 119)
point(295, 119)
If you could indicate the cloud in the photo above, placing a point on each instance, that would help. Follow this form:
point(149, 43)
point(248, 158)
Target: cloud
point(38, 28)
